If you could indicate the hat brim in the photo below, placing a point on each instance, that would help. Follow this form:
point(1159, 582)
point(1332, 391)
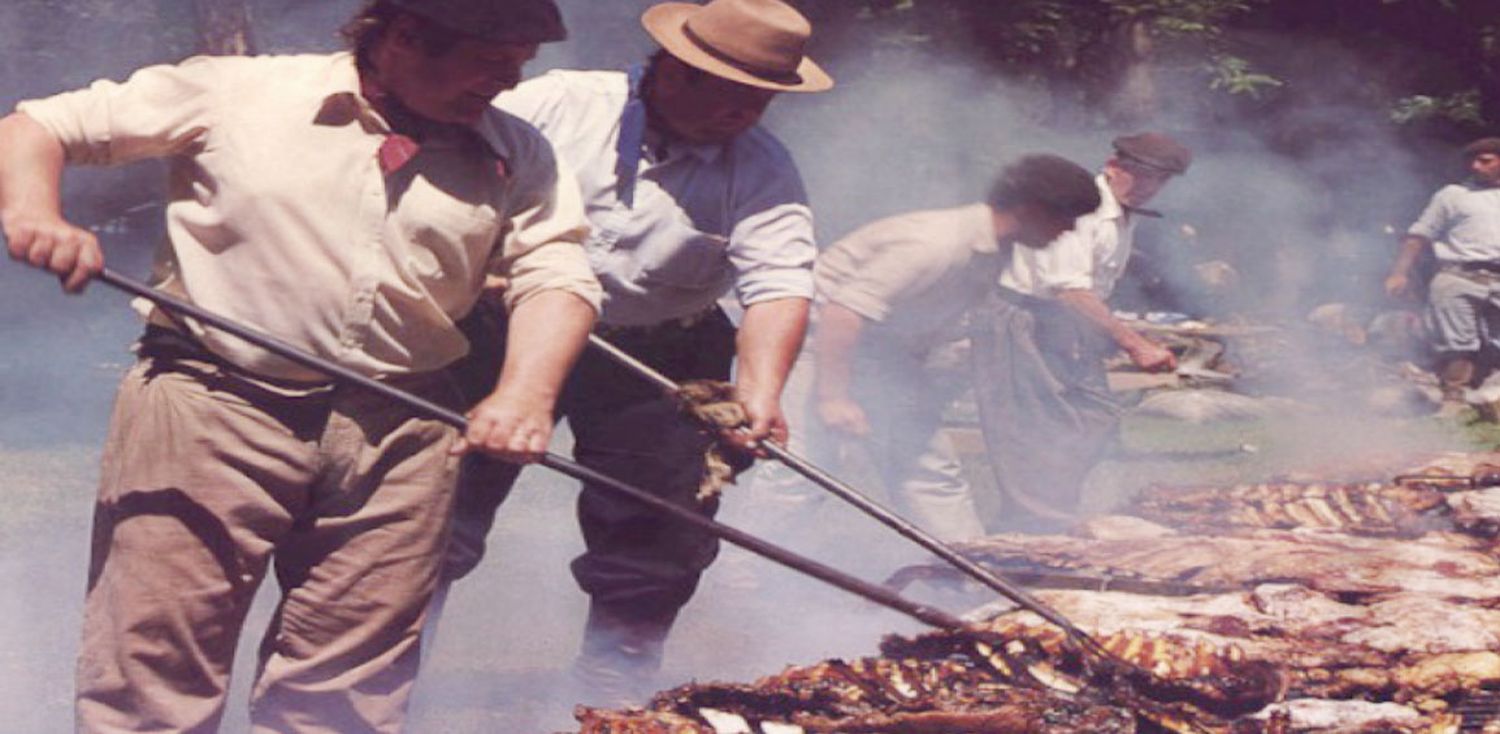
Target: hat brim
point(666, 23)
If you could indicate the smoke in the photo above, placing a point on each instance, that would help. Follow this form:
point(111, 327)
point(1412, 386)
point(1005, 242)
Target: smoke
point(1297, 202)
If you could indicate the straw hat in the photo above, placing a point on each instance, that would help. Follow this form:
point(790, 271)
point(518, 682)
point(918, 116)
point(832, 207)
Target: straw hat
point(756, 42)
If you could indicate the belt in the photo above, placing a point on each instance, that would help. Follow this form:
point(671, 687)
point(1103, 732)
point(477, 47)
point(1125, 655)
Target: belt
point(1025, 300)
point(172, 345)
point(658, 329)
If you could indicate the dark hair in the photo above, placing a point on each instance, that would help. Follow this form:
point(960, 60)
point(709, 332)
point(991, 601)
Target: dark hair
point(653, 62)
point(1480, 147)
point(1051, 182)
point(372, 21)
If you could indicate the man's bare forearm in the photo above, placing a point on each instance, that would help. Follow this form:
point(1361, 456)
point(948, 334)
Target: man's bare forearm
point(1092, 308)
point(31, 166)
point(834, 342)
point(1411, 249)
point(770, 336)
point(547, 332)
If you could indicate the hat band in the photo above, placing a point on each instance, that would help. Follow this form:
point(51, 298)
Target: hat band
point(1149, 164)
point(775, 76)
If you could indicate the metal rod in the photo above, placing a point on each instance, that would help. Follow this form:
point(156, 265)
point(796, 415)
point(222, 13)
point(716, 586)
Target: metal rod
point(868, 506)
point(863, 589)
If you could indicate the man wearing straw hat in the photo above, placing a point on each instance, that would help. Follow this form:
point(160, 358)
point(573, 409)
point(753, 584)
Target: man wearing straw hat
point(689, 200)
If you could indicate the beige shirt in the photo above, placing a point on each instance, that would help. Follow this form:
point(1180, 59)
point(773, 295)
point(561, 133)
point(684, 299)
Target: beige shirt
point(1091, 256)
point(914, 275)
point(279, 216)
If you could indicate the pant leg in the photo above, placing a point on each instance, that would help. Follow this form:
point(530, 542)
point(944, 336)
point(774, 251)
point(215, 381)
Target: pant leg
point(484, 483)
point(1453, 313)
point(199, 484)
point(641, 567)
point(357, 574)
point(918, 463)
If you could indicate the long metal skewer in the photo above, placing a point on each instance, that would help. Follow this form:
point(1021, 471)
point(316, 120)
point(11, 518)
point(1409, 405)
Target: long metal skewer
point(886, 517)
point(863, 589)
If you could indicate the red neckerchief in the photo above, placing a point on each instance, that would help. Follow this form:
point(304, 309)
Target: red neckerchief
point(409, 130)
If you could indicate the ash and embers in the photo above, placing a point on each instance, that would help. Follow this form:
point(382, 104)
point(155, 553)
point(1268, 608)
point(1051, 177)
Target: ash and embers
point(1319, 607)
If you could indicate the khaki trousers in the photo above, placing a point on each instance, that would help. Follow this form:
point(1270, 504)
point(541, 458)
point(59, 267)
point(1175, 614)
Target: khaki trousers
point(209, 476)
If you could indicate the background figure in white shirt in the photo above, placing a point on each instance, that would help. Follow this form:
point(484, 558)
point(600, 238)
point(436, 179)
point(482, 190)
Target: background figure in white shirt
point(890, 328)
point(351, 204)
point(1040, 342)
point(688, 199)
point(1462, 226)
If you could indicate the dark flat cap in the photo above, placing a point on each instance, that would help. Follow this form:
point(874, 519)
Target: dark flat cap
point(1156, 150)
point(1482, 146)
point(497, 21)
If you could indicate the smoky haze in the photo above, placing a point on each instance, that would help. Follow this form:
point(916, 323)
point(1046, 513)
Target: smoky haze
point(905, 130)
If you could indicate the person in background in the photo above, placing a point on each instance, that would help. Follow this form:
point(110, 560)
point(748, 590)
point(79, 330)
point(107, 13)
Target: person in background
point(889, 345)
point(1040, 341)
point(351, 204)
point(689, 199)
point(1461, 227)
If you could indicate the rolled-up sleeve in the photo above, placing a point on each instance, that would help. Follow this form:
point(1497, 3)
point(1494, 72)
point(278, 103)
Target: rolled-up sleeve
point(771, 244)
point(542, 248)
point(158, 111)
point(1432, 225)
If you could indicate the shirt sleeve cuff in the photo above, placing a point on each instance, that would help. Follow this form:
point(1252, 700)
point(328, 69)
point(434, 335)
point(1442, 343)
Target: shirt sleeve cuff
point(67, 119)
point(559, 266)
point(771, 285)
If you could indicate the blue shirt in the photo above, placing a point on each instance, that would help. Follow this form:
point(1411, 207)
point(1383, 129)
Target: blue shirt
point(704, 219)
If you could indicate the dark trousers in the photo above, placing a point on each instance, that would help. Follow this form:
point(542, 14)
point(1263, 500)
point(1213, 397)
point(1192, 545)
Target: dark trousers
point(1044, 404)
point(639, 568)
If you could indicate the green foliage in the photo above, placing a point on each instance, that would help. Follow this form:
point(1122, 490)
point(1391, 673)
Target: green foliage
point(1232, 74)
point(1460, 107)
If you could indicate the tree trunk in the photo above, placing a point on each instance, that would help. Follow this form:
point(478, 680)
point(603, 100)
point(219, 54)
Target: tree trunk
point(224, 27)
point(1135, 99)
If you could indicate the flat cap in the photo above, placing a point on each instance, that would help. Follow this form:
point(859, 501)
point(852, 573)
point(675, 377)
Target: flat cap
point(497, 21)
point(1156, 150)
point(1482, 146)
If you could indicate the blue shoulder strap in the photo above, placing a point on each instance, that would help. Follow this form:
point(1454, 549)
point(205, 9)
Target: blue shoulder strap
point(632, 137)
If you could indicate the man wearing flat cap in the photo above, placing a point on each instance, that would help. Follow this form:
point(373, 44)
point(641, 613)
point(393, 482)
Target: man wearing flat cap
point(353, 205)
point(1041, 340)
point(1461, 226)
point(689, 200)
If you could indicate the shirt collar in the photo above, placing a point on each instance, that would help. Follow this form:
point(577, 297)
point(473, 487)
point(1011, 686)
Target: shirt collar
point(656, 141)
point(1109, 206)
point(345, 103)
